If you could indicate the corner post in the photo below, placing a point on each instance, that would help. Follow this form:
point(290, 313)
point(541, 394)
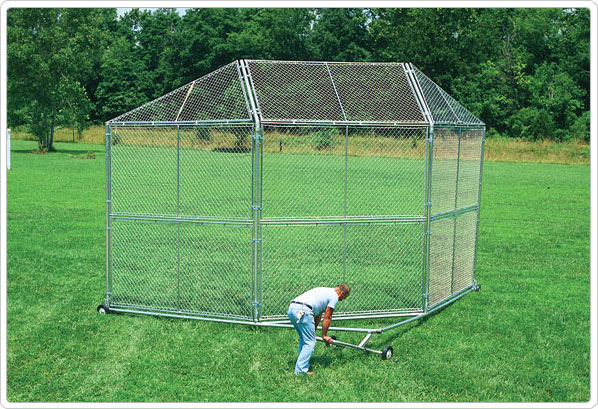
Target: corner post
point(428, 221)
point(256, 192)
point(477, 226)
point(455, 208)
point(428, 157)
point(108, 138)
point(256, 211)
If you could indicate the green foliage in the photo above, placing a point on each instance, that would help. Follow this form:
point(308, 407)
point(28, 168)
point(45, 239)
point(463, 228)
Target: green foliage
point(512, 67)
point(324, 138)
point(581, 127)
point(531, 123)
point(52, 55)
point(124, 80)
point(202, 134)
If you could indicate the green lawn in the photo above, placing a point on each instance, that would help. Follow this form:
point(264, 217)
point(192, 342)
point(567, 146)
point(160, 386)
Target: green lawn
point(524, 337)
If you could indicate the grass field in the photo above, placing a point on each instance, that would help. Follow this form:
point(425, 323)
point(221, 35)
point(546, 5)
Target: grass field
point(524, 337)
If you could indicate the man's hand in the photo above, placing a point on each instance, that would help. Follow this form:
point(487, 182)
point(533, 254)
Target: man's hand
point(327, 339)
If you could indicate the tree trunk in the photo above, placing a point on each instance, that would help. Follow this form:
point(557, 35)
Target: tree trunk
point(51, 143)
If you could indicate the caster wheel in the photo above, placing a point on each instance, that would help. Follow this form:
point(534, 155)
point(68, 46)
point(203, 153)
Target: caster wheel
point(477, 287)
point(102, 309)
point(386, 352)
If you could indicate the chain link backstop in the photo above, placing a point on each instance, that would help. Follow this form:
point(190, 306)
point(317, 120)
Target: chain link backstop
point(233, 194)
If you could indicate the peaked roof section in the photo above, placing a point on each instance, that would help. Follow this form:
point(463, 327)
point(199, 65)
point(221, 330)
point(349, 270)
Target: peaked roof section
point(444, 108)
point(327, 91)
point(307, 92)
point(216, 96)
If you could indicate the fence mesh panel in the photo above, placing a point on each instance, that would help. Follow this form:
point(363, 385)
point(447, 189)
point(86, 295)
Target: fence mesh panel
point(469, 167)
point(296, 259)
point(318, 91)
point(375, 92)
point(444, 169)
point(215, 269)
point(441, 259)
point(196, 101)
point(444, 108)
point(144, 170)
point(201, 222)
point(215, 171)
point(144, 264)
point(291, 91)
point(304, 171)
point(464, 250)
point(385, 171)
point(384, 267)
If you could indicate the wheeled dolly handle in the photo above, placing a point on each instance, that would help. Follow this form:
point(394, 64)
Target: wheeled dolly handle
point(385, 353)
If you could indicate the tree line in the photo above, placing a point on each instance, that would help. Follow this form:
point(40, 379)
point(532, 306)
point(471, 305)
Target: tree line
point(524, 72)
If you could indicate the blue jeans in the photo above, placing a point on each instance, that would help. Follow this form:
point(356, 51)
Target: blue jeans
point(307, 335)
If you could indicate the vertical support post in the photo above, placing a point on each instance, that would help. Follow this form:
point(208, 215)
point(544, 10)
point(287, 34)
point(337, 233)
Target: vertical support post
point(259, 222)
point(455, 207)
point(178, 214)
point(253, 229)
point(429, 154)
point(8, 149)
point(257, 151)
point(256, 211)
point(477, 226)
point(427, 223)
point(108, 136)
point(345, 208)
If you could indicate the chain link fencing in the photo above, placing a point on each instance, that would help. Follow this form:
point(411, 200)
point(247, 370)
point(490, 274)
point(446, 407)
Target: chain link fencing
point(237, 192)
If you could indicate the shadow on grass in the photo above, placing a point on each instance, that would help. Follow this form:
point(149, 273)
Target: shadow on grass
point(77, 152)
point(68, 151)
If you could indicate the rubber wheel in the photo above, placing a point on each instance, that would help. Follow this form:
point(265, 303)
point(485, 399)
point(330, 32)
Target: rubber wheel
point(102, 309)
point(477, 288)
point(386, 352)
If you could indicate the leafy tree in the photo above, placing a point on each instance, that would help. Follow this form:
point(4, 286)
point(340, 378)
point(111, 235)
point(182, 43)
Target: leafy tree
point(50, 56)
point(124, 80)
point(525, 72)
point(271, 34)
point(340, 35)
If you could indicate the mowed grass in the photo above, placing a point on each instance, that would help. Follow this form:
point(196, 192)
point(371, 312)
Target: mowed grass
point(524, 337)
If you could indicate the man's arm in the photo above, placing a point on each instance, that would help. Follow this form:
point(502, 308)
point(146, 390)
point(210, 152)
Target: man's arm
point(317, 320)
point(326, 324)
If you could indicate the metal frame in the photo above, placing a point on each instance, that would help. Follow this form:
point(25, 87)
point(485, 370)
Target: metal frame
point(256, 220)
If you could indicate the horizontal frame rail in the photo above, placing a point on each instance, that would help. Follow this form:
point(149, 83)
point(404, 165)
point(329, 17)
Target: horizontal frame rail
point(438, 306)
point(178, 219)
point(341, 221)
point(355, 316)
point(455, 212)
point(214, 122)
point(454, 125)
point(279, 324)
point(299, 122)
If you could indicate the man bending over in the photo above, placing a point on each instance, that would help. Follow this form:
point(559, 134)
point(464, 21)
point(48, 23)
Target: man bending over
point(305, 312)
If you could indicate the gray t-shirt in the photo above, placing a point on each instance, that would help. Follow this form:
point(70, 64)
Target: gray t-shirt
point(319, 298)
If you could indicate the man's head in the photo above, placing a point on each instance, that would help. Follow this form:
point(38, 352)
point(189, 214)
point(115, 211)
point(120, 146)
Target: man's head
point(343, 291)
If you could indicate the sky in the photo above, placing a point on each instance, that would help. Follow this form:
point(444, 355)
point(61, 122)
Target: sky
point(122, 10)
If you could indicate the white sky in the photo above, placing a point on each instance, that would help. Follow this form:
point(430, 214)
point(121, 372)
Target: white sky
point(122, 10)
